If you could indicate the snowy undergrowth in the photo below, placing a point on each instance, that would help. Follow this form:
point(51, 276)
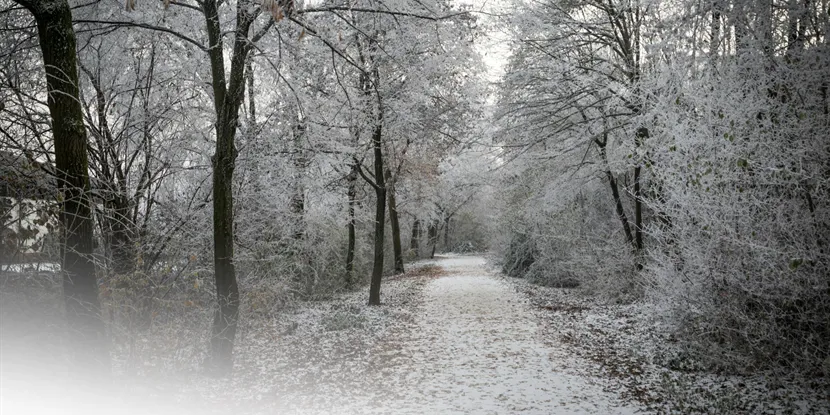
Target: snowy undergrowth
point(309, 350)
point(632, 345)
point(308, 353)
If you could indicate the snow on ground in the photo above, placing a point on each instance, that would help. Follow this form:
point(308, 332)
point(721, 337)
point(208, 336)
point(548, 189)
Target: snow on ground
point(466, 343)
point(632, 347)
point(476, 348)
point(31, 267)
point(450, 337)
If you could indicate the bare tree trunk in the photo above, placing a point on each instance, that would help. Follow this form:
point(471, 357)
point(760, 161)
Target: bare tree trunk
point(447, 220)
point(368, 84)
point(122, 235)
point(739, 19)
point(642, 133)
point(414, 242)
point(714, 36)
point(298, 196)
point(765, 21)
point(432, 236)
point(380, 213)
point(615, 192)
point(352, 193)
point(116, 224)
point(249, 79)
point(88, 342)
point(228, 98)
point(395, 224)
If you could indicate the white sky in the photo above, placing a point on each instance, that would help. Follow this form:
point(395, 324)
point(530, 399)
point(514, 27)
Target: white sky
point(494, 45)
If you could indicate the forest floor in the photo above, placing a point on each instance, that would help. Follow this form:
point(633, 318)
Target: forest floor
point(452, 336)
point(632, 347)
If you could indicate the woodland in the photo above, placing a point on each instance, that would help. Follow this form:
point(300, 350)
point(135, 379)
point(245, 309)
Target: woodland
point(194, 170)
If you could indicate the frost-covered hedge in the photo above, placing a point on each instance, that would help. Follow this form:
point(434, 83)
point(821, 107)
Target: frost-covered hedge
point(741, 256)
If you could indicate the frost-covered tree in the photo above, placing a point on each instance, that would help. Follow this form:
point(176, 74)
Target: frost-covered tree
point(704, 123)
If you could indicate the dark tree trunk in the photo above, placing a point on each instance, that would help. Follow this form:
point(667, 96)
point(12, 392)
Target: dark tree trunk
point(432, 236)
point(380, 213)
point(249, 79)
point(228, 98)
point(615, 192)
point(796, 28)
point(642, 133)
point(352, 193)
point(414, 242)
point(395, 224)
point(740, 21)
point(122, 236)
point(88, 343)
point(447, 233)
point(116, 222)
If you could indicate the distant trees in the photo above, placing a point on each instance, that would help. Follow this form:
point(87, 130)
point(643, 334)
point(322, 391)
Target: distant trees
point(573, 83)
point(404, 92)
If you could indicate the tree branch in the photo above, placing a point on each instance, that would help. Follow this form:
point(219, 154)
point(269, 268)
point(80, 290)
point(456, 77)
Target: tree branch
point(144, 26)
point(376, 11)
point(364, 176)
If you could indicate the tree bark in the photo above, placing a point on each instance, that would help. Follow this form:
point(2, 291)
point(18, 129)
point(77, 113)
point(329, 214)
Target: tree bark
point(352, 193)
point(368, 84)
point(714, 34)
point(615, 192)
point(432, 236)
point(228, 98)
point(642, 133)
point(116, 222)
point(447, 220)
point(380, 213)
point(249, 79)
point(122, 234)
point(88, 346)
point(414, 242)
point(395, 224)
point(298, 192)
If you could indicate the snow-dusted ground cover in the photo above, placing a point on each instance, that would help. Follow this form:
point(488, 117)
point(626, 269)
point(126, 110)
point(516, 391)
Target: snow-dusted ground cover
point(451, 337)
point(630, 344)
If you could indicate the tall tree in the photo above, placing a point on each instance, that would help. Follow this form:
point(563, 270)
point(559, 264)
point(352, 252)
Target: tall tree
point(394, 224)
point(369, 85)
point(228, 94)
point(88, 342)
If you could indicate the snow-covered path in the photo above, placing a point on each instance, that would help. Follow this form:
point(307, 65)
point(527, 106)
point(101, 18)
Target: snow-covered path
point(475, 347)
point(470, 345)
